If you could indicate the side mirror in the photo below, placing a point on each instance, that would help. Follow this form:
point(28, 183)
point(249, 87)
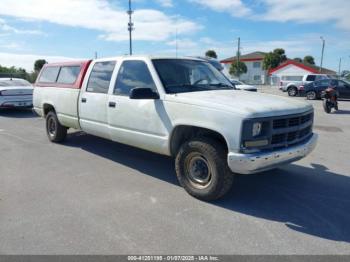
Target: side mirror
point(143, 93)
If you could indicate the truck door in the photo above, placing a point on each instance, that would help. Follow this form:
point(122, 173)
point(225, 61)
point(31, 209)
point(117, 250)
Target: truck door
point(93, 100)
point(137, 122)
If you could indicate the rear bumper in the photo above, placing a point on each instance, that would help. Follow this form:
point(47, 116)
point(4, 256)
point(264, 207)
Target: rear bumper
point(258, 162)
point(16, 101)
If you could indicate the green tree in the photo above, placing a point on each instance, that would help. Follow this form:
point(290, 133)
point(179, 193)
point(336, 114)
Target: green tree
point(211, 53)
point(39, 64)
point(309, 59)
point(281, 53)
point(238, 68)
point(298, 59)
point(274, 59)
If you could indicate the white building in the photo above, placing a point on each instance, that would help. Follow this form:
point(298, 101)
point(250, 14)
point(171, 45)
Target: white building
point(255, 72)
point(292, 70)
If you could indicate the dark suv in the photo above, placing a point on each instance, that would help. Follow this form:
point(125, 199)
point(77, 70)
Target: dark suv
point(313, 90)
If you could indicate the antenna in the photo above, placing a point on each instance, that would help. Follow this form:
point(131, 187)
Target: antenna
point(130, 27)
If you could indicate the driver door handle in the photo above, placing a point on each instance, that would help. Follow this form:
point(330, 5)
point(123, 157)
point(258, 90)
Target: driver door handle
point(112, 104)
point(83, 100)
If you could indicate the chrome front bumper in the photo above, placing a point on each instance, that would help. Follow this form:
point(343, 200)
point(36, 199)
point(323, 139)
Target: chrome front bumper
point(253, 163)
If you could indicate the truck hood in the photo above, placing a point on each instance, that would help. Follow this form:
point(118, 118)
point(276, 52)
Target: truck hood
point(246, 104)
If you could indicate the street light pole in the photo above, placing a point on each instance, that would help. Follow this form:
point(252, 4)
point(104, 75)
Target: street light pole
point(130, 27)
point(323, 44)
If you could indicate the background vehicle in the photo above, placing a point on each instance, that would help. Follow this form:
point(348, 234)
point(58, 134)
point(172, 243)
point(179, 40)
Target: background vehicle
point(314, 90)
point(242, 86)
point(290, 84)
point(15, 92)
point(180, 107)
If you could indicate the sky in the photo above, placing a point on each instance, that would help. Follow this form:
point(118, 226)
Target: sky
point(59, 30)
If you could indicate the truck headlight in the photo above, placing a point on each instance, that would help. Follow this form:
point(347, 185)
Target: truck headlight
point(257, 127)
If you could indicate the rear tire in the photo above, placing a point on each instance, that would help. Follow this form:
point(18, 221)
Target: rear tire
point(311, 95)
point(202, 169)
point(55, 131)
point(292, 91)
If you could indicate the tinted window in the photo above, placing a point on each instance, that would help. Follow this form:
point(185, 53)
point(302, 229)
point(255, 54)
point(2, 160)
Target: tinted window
point(100, 77)
point(133, 74)
point(68, 74)
point(311, 78)
point(341, 84)
point(320, 77)
point(322, 83)
point(49, 74)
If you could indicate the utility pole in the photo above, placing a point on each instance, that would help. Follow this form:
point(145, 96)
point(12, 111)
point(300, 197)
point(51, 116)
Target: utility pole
point(238, 55)
point(95, 54)
point(130, 27)
point(176, 44)
point(323, 44)
point(339, 72)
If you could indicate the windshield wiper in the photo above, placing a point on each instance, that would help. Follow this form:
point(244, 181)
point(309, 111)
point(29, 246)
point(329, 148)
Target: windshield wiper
point(221, 85)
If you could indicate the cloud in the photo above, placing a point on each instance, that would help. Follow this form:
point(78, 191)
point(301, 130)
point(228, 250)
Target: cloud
point(26, 61)
point(314, 11)
point(6, 28)
point(101, 15)
point(234, 7)
point(165, 3)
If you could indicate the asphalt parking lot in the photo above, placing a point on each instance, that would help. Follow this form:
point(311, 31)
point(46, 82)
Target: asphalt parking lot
point(93, 196)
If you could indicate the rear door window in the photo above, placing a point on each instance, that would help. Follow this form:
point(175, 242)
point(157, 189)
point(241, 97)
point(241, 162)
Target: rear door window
point(68, 74)
point(49, 74)
point(322, 83)
point(100, 77)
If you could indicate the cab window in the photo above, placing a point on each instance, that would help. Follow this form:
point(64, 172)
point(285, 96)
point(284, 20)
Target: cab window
point(49, 74)
point(133, 74)
point(100, 77)
point(68, 74)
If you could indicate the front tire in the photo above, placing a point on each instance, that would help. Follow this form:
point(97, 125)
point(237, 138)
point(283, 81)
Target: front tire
point(311, 95)
point(202, 169)
point(55, 131)
point(292, 91)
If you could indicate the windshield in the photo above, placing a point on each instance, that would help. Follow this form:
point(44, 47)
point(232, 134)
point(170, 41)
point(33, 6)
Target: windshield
point(14, 82)
point(182, 75)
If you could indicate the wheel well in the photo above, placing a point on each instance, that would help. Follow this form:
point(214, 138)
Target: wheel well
point(48, 108)
point(182, 134)
point(290, 87)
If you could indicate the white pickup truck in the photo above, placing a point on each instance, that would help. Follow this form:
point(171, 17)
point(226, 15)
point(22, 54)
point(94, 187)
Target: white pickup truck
point(180, 107)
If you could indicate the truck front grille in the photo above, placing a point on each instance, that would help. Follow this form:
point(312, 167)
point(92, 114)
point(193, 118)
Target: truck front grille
point(287, 131)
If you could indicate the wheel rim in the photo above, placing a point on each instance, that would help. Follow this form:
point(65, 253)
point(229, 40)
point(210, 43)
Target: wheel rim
point(311, 95)
point(198, 170)
point(51, 126)
point(292, 92)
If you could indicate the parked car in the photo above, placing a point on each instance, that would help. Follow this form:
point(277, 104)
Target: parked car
point(180, 107)
point(313, 90)
point(15, 92)
point(291, 83)
point(242, 86)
